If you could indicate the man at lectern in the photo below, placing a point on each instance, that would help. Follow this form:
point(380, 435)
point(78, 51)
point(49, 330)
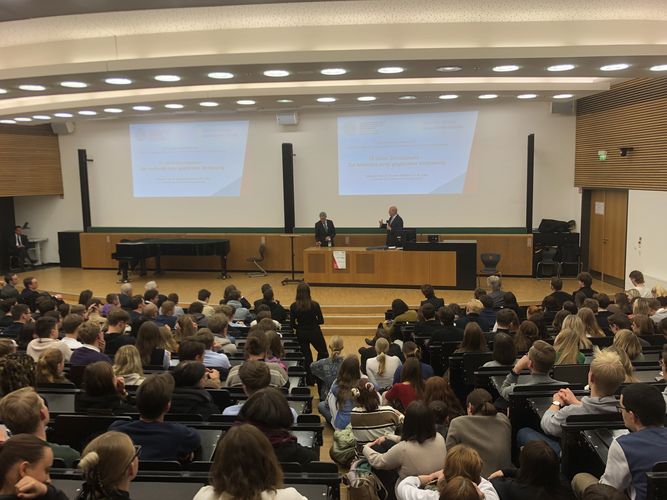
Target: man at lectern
point(392, 224)
point(325, 231)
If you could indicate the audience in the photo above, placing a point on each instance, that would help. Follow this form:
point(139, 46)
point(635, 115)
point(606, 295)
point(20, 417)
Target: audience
point(539, 360)
point(92, 339)
point(591, 327)
point(557, 293)
point(438, 389)
point(115, 337)
point(256, 347)
point(16, 371)
point(473, 309)
point(411, 350)
point(637, 280)
point(474, 339)
point(584, 291)
point(278, 312)
point(46, 331)
point(212, 359)
point(381, 369)
point(50, 367)
point(186, 327)
point(103, 392)
point(487, 316)
point(525, 336)
point(219, 326)
point(627, 341)
point(127, 364)
point(448, 332)
point(326, 369)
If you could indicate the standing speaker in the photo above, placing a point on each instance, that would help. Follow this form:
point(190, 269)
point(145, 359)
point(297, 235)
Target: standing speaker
point(288, 186)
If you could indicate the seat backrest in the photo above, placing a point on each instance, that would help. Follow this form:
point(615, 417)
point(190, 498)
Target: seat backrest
point(490, 260)
point(602, 341)
point(262, 250)
point(471, 362)
point(77, 430)
point(548, 255)
point(573, 374)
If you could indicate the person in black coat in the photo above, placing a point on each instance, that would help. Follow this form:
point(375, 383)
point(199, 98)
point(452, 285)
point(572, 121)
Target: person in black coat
point(306, 318)
point(429, 294)
point(18, 246)
point(278, 312)
point(325, 231)
point(449, 332)
point(428, 325)
point(103, 392)
point(190, 397)
point(392, 224)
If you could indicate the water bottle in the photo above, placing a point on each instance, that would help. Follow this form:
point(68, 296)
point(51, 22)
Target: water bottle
point(329, 243)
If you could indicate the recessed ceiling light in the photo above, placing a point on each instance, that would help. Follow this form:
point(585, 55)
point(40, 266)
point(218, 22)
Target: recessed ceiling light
point(448, 69)
point(659, 67)
point(448, 97)
point(209, 104)
point(113, 110)
point(563, 96)
point(526, 96)
point(23, 119)
point(488, 96)
point(118, 81)
point(32, 87)
point(3, 91)
point(63, 115)
point(246, 102)
point(390, 70)
point(506, 68)
point(276, 73)
point(141, 108)
point(561, 67)
point(326, 99)
point(174, 106)
point(8, 122)
point(74, 85)
point(285, 101)
point(614, 67)
point(167, 78)
point(333, 71)
point(366, 98)
point(41, 117)
point(88, 113)
point(407, 98)
point(220, 75)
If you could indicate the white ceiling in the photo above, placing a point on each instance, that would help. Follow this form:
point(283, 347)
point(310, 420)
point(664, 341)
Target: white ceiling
point(305, 37)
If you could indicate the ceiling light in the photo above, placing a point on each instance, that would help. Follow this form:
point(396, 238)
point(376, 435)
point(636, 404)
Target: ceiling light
point(32, 87)
point(41, 117)
point(448, 69)
point(174, 106)
point(526, 96)
point(326, 99)
point(221, 75)
point(167, 78)
point(74, 85)
point(87, 113)
point(63, 115)
point(141, 108)
point(366, 98)
point(113, 110)
point(276, 73)
point(333, 71)
point(118, 81)
point(390, 70)
point(659, 67)
point(488, 96)
point(3, 91)
point(246, 102)
point(23, 119)
point(285, 101)
point(448, 97)
point(209, 104)
point(563, 96)
point(8, 122)
point(407, 98)
point(614, 67)
point(561, 67)
point(506, 68)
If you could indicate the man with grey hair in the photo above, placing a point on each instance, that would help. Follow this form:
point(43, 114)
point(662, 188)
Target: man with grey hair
point(392, 224)
point(495, 284)
point(125, 295)
point(324, 231)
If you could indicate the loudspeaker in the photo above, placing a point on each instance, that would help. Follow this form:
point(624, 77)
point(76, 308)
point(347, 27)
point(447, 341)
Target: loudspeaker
point(291, 118)
point(288, 186)
point(564, 108)
point(62, 128)
point(69, 248)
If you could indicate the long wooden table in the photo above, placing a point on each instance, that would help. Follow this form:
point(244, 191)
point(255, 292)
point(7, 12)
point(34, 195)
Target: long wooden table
point(452, 266)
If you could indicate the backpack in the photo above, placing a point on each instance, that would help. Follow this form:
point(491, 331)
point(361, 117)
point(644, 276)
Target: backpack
point(343, 449)
point(362, 484)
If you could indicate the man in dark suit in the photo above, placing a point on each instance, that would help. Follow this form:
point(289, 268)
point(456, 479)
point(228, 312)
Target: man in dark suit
point(429, 324)
point(392, 224)
point(324, 231)
point(18, 246)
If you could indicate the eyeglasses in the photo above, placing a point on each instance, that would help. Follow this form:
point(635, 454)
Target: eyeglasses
point(621, 408)
point(137, 450)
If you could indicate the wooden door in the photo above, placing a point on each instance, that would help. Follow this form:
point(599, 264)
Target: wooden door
point(607, 238)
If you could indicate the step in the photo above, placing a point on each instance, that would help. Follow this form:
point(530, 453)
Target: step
point(353, 320)
point(365, 331)
point(348, 309)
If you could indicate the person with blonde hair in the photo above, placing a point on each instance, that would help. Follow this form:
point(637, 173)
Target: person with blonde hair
point(591, 327)
point(640, 306)
point(186, 327)
point(567, 348)
point(109, 463)
point(575, 323)
point(326, 370)
point(127, 364)
point(49, 368)
point(630, 377)
point(381, 369)
point(627, 341)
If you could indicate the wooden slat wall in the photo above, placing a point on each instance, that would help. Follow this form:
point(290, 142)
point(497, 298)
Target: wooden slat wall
point(632, 114)
point(29, 161)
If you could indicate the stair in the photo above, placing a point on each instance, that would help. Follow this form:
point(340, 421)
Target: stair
point(352, 320)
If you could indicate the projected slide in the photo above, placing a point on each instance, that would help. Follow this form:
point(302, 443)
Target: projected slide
point(424, 153)
point(188, 159)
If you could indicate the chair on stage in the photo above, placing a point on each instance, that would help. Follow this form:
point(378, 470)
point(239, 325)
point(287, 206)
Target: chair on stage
point(490, 261)
point(548, 259)
point(256, 261)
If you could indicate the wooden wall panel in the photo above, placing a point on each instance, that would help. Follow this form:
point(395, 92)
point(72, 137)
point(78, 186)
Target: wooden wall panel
point(29, 161)
point(632, 114)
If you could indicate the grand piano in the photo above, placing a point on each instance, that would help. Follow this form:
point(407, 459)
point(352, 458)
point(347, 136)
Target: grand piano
point(130, 253)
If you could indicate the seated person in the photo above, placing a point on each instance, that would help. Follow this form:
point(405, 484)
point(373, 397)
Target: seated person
point(550, 307)
point(326, 370)
point(369, 352)
point(411, 350)
point(46, 330)
point(278, 312)
point(127, 364)
point(633, 455)
point(429, 295)
point(401, 313)
point(241, 312)
point(219, 326)
point(557, 293)
point(539, 360)
point(504, 351)
point(190, 397)
point(112, 300)
point(268, 410)
point(212, 359)
point(21, 315)
point(92, 339)
point(49, 369)
point(103, 392)
point(381, 368)
point(151, 346)
point(584, 291)
point(118, 319)
point(428, 324)
point(70, 328)
point(448, 332)
point(191, 350)
point(410, 388)
point(24, 412)
point(159, 440)
point(487, 316)
point(495, 284)
point(605, 376)
point(167, 314)
point(265, 312)
point(505, 319)
point(473, 308)
point(255, 349)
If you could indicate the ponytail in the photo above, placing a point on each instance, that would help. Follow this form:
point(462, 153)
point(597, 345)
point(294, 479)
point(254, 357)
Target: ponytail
point(381, 348)
point(486, 409)
point(336, 347)
point(482, 403)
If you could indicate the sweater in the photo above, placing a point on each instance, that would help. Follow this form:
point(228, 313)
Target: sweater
point(410, 457)
point(208, 493)
point(409, 489)
point(491, 436)
point(387, 378)
point(367, 426)
point(404, 393)
point(160, 440)
point(37, 347)
point(552, 420)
